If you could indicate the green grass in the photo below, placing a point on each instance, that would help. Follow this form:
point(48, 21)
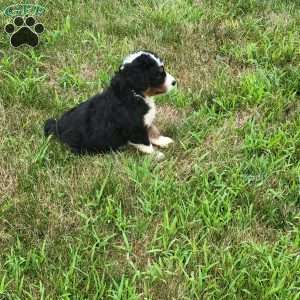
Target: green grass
point(218, 219)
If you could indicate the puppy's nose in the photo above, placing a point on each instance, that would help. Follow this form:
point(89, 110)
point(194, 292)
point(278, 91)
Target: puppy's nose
point(174, 82)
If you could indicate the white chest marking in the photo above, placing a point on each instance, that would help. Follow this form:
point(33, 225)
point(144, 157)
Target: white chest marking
point(150, 115)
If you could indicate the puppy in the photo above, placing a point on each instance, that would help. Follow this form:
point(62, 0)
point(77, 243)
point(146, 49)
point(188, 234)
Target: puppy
point(122, 114)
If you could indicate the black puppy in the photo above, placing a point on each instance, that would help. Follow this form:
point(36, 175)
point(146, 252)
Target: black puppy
point(122, 114)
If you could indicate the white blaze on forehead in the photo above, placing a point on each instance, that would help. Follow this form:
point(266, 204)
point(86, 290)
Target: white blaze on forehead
point(130, 58)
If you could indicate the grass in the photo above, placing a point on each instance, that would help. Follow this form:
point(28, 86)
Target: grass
point(218, 219)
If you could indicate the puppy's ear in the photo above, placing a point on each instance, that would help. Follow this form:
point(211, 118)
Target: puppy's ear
point(135, 77)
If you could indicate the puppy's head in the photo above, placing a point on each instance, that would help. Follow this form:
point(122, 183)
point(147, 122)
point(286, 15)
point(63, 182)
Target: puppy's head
point(144, 72)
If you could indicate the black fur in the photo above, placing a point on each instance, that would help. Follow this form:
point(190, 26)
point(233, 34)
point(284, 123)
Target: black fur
point(50, 127)
point(114, 117)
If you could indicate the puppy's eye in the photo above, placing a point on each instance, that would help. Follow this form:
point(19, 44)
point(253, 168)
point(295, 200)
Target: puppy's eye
point(161, 69)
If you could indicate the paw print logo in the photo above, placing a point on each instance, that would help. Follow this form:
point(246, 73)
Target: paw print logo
point(24, 32)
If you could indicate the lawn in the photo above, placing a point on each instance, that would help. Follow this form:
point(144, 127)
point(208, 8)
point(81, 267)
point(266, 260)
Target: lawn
point(218, 219)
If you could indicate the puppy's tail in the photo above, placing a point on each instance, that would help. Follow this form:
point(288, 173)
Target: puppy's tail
point(50, 127)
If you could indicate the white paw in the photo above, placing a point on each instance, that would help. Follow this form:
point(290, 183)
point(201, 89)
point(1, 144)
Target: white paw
point(162, 141)
point(158, 155)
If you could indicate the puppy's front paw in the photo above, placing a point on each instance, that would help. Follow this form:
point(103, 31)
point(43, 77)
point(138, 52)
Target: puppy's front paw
point(158, 155)
point(162, 141)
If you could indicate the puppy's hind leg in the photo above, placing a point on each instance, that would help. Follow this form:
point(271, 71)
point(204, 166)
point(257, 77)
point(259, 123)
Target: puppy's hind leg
point(140, 140)
point(148, 149)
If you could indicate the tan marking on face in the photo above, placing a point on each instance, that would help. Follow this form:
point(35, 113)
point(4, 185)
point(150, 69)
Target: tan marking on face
point(155, 91)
